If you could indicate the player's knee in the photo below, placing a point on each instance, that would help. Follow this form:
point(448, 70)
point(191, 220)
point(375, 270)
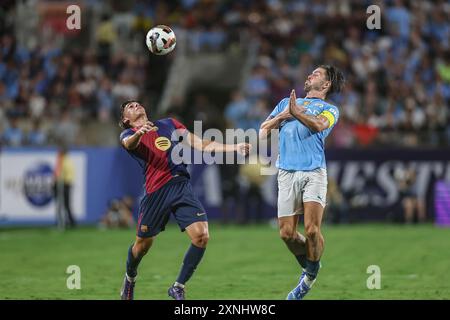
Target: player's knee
point(201, 239)
point(312, 232)
point(287, 234)
point(204, 238)
point(143, 245)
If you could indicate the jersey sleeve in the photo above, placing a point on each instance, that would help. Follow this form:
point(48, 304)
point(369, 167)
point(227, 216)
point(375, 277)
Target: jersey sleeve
point(279, 108)
point(178, 125)
point(331, 113)
point(142, 150)
point(180, 130)
point(125, 134)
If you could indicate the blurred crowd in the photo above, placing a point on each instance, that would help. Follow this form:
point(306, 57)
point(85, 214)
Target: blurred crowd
point(51, 92)
point(398, 77)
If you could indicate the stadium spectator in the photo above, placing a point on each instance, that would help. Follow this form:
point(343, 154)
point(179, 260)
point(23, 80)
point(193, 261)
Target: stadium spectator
point(64, 177)
point(13, 136)
point(105, 35)
point(258, 113)
point(36, 136)
point(343, 136)
point(205, 111)
point(257, 86)
point(119, 214)
point(105, 100)
point(251, 181)
point(236, 111)
point(409, 197)
point(364, 132)
point(37, 103)
point(66, 130)
point(337, 207)
point(231, 210)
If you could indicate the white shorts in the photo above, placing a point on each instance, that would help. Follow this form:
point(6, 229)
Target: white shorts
point(297, 187)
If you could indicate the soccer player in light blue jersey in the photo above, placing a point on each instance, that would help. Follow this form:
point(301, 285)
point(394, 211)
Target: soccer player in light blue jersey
point(303, 125)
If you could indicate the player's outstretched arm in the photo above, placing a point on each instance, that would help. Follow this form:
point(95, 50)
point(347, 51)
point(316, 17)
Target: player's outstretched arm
point(272, 123)
point(211, 146)
point(314, 123)
point(132, 142)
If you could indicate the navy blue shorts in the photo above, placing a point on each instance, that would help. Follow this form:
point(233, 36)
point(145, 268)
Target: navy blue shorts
point(177, 197)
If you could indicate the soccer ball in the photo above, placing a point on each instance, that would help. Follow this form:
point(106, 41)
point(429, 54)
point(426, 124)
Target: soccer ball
point(160, 40)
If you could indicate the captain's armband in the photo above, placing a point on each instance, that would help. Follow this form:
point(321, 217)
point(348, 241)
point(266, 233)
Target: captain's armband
point(329, 116)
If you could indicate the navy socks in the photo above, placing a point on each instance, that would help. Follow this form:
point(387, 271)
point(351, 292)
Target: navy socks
point(301, 258)
point(312, 268)
point(190, 262)
point(132, 263)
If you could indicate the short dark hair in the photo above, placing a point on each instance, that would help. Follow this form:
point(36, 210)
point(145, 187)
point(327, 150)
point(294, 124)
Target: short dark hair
point(335, 76)
point(122, 123)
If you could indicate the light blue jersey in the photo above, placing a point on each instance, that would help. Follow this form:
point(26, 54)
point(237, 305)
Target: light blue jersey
point(302, 149)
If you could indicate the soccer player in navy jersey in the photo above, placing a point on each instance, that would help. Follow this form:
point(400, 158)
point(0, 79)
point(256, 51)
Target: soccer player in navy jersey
point(167, 190)
point(303, 125)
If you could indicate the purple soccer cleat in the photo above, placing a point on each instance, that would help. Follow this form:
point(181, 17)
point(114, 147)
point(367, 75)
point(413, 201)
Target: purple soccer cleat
point(177, 293)
point(127, 291)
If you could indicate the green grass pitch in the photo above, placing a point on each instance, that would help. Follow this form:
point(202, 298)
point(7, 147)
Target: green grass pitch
point(241, 262)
